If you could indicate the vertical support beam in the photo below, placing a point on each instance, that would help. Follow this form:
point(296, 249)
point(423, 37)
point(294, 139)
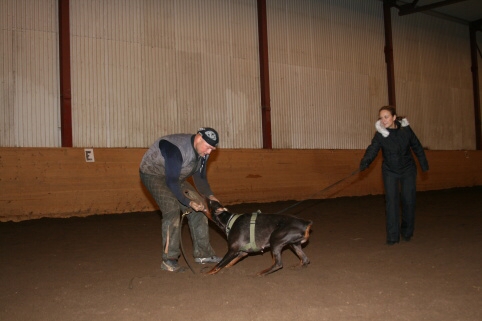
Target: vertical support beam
point(475, 84)
point(65, 82)
point(264, 74)
point(387, 20)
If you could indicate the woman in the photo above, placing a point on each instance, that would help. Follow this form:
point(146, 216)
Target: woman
point(397, 141)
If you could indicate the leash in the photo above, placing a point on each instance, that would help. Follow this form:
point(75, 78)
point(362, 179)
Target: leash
point(326, 188)
point(279, 212)
point(180, 237)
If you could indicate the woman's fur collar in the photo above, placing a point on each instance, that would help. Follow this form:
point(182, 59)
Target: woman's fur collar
point(382, 130)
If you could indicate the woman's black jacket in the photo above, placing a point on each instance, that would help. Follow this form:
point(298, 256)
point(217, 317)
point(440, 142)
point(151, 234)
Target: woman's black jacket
point(397, 146)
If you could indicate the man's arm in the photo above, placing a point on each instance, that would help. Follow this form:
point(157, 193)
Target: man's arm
point(173, 163)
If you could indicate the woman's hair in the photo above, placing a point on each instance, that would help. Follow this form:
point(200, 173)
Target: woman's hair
point(388, 108)
point(392, 111)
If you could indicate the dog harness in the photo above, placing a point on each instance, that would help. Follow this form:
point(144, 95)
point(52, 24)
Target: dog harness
point(251, 246)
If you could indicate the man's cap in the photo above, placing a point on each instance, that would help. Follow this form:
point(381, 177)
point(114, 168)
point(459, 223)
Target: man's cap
point(210, 135)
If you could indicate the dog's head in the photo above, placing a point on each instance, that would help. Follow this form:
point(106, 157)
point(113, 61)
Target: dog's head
point(213, 209)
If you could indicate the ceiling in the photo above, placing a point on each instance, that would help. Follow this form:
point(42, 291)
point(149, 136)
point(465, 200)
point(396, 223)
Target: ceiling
point(462, 11)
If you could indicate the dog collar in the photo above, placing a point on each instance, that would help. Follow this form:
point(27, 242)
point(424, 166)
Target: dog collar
point(231, 221)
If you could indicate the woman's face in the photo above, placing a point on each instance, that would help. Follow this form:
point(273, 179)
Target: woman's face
point(387, 120)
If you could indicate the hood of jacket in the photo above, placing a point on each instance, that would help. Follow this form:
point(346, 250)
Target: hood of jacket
point(382, 130)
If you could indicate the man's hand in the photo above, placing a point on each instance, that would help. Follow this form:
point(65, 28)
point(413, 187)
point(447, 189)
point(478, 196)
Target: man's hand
point(196, 206)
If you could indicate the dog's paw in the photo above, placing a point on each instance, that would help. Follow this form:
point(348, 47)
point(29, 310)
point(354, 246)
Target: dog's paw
point(298, 267)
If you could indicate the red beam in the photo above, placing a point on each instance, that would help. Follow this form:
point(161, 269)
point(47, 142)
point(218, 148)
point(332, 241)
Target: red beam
point(264, 74)
point(475, 84)
point(65, 82)
point(387, 19)
point(412, 8)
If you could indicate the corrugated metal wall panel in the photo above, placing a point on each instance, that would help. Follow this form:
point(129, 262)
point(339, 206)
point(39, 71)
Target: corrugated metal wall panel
point(142, 69)
point(327, 72)
point(106, 74)
point(158, 70)
point(7, 83)
point(29, 96)
point(433, 82)
point(145, 68)
point(242, 126)
point(216, 44)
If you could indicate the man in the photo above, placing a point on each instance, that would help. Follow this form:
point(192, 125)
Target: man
point(164, 170)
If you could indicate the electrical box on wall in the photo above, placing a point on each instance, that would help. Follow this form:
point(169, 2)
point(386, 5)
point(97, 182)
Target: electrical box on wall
point(89, 155)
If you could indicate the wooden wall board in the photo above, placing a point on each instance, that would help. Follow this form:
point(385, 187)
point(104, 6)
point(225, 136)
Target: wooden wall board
point(58, 182)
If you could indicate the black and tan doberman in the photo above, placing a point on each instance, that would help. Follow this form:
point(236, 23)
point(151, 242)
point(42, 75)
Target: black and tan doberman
point(255, 232)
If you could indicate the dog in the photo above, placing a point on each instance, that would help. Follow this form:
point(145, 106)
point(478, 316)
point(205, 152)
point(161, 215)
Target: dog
point(252, 233)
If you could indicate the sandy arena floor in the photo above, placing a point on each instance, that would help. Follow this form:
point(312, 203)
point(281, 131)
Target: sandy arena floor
point(108, 267)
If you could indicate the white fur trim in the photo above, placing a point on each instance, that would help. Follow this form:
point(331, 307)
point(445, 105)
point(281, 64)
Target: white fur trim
point(382, 130)
point(404, 122)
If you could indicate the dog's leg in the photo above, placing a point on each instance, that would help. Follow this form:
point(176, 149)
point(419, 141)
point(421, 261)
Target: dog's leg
point(286, 236)
point(236, 259)
point(277, 264)
point(299, 252)
point(278, 240)
point(226, 260)
point(275, 267)
point(214, 270)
